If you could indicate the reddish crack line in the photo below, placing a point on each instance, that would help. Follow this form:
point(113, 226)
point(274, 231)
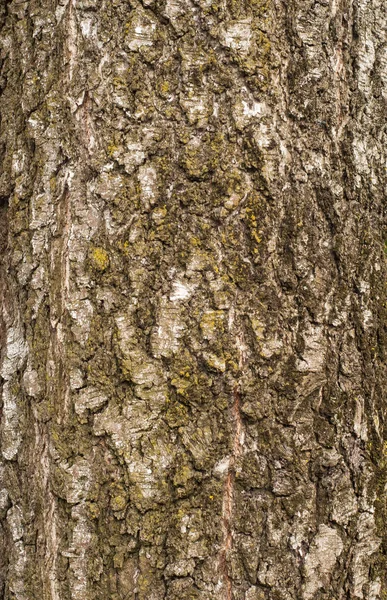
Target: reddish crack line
point(228, 497)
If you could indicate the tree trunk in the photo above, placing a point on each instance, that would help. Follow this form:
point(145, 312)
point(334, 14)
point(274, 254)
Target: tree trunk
point(193, 288)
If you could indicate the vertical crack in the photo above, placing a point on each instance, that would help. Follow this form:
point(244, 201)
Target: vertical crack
point(61, 270)
point(228, 496)
point(3, 255)
point(4, 557)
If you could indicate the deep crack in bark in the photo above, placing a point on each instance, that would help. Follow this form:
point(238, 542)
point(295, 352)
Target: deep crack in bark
point(228, 497)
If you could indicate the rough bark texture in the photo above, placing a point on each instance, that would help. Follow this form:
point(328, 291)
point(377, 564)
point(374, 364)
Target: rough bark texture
point(192, 283)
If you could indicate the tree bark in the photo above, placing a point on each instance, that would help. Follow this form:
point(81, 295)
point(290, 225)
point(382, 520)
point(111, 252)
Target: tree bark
point(193, 293)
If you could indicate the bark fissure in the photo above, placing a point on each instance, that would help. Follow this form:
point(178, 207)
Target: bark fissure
point(228, 499)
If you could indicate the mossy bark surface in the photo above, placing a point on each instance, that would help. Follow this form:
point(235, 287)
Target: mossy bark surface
point(192, 283)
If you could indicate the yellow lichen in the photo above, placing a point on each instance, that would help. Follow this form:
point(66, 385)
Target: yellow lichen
point(118, 502)
point(164, 87)
point(100, 259)
point(111, 149)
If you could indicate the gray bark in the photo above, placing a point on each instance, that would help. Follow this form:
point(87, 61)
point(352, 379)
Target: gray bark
point(192, 283)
